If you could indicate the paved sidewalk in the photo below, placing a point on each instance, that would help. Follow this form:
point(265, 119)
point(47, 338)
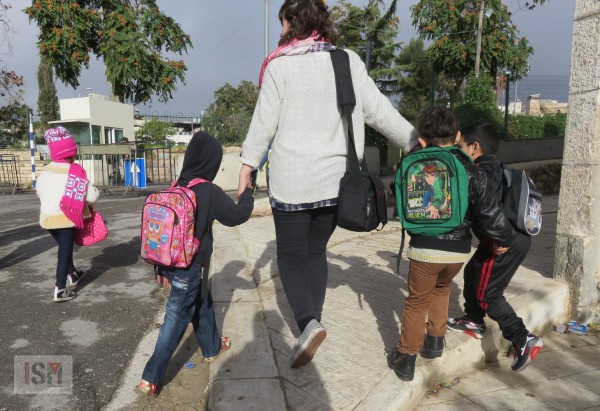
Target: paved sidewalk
point(565, 376)
point(362, 310)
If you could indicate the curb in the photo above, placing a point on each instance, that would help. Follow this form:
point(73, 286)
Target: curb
point(463, 354)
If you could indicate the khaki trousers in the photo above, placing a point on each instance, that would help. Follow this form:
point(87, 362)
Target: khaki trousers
point(428, 298)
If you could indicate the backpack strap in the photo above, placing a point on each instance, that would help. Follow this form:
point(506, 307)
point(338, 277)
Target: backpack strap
point(399, 256)
point(197, 181)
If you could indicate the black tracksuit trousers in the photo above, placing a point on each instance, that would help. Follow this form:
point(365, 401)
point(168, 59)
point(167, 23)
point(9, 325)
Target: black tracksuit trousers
point(486, 277)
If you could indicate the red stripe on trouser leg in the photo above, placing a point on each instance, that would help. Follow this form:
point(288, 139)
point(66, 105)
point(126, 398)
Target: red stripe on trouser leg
point(484, 280)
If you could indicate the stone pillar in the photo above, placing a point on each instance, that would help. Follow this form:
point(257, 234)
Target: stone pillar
point(577, 258)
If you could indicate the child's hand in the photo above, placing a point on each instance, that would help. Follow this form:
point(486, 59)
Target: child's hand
point(162, 280)
point(499, 250)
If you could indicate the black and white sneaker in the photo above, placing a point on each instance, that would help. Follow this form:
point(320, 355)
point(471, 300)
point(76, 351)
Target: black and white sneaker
point(63, 295)
point(464, 325)
point(74, 277)
point(526, 352)
point(307, 344)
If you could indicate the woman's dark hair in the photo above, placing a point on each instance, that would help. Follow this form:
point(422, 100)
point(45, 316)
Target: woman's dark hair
point(485, 134)
point(304, 17)
point(437, 125)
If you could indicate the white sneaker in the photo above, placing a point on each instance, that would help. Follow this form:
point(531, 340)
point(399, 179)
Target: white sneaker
point(63, 295)
point(307, 344)
point(74, 277)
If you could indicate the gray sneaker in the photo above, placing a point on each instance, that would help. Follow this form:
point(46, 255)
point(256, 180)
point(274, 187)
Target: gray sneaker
point(307, 344)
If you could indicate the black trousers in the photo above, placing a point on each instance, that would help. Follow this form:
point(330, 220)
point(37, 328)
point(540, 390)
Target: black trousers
point(486, 278)
point(302, 238)
point(65, 237)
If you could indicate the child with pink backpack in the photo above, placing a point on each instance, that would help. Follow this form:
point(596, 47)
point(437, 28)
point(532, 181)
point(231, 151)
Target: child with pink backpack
point(163, 227)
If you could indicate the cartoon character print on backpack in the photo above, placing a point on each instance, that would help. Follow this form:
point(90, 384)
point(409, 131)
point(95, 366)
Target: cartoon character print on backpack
point(154, 234)
point(522, 201)
point(428, 192)
point(432, 190)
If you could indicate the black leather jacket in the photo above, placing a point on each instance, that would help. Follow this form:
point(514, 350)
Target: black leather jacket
point(485, 213)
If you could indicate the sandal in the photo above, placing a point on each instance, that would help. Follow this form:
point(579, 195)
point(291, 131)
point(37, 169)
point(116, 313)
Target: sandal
point(225, 344)
point(147, 388)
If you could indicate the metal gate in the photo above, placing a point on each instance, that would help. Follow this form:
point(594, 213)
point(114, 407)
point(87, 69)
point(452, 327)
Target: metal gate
point(9, 174)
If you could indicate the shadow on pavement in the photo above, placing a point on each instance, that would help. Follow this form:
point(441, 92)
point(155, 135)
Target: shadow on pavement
point(115, 256)
point(27, 250)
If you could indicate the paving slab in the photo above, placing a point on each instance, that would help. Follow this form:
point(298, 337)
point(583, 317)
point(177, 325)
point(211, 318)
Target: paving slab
point(362, 314)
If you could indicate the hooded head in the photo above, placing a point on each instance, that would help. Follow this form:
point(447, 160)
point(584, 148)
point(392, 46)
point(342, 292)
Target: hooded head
point(60, 143)
point(202, 158)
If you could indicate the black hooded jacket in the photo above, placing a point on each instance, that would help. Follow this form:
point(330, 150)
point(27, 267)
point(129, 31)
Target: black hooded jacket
point(492, 167)
point(485, 214)
point(202, 159)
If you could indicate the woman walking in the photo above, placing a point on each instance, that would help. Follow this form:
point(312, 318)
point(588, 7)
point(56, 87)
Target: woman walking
point(297, 109)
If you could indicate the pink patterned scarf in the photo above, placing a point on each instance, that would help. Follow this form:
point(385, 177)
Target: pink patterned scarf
point(73, 199)
point(293, 48)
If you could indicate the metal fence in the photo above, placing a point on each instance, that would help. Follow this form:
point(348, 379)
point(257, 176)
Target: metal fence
point(126, 165)
point(9, 174)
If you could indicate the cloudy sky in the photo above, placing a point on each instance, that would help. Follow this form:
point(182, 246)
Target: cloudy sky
point(228, 40)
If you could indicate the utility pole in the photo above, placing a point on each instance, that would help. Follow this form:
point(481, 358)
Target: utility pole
point(266, 28)
point(479, 35)
point(368, 56)
point(32, 149)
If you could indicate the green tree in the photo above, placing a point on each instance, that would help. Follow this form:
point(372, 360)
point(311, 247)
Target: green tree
point(154, 130)
point(478, 103)
point(10, 82)
point(415, 84)
point(14, 125)
point(132, 38)
point(451, 26)
point(374, 29)
point(228, 117)
point(47, 98)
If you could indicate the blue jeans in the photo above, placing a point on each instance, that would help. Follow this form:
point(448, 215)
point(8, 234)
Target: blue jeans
point(65, 237)
point(185, 305)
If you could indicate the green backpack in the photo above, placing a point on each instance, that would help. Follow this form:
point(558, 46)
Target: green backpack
point(432, 191)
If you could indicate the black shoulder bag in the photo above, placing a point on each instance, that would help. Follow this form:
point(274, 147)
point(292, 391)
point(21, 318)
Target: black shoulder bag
point(361, 200)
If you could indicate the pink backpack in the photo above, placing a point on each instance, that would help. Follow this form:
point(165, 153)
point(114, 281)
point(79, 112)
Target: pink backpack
point(168, 222)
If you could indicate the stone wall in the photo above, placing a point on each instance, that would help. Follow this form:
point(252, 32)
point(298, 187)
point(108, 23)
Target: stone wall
point(546, 177)
point(7, 177)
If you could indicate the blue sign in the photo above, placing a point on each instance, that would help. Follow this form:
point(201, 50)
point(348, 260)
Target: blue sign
point(135, 173)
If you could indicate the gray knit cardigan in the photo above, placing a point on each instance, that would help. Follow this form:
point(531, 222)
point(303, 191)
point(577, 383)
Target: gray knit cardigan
point(297, 108)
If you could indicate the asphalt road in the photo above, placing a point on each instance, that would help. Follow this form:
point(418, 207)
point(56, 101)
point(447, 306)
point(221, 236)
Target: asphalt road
point(100, 329)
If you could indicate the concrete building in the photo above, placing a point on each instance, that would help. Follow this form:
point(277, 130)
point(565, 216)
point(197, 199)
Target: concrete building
point(95, 119)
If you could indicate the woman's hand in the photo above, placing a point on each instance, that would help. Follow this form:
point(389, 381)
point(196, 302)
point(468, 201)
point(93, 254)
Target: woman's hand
point(244, 181)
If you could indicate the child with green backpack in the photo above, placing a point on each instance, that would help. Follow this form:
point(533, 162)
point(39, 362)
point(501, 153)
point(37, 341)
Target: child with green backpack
point(440, 194)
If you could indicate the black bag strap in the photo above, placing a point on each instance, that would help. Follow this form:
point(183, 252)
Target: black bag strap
point(399, 256)
point(347, 101)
